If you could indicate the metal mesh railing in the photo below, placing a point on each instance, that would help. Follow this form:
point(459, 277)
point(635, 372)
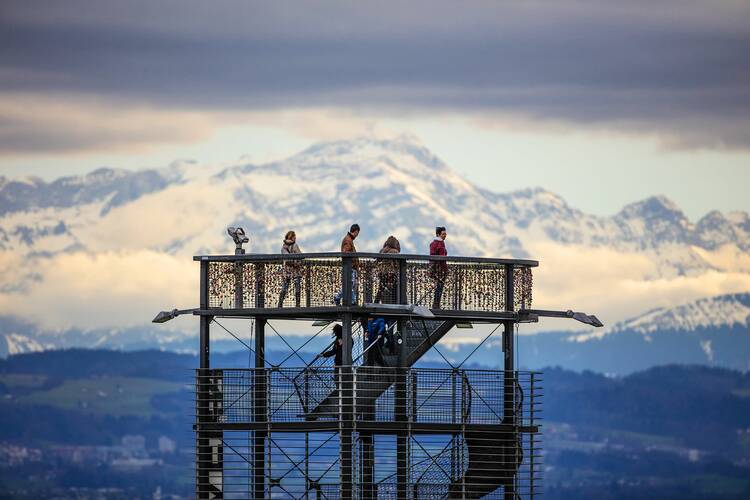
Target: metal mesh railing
point(272, 283)
point(371, 394)
point(317, 280)
point(309, 465)
point(389, 433)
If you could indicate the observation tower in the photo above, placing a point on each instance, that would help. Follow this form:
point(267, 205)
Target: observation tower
point(310, 429)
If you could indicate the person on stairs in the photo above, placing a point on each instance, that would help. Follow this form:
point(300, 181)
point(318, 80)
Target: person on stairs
point(336, 349)
point(376, 333)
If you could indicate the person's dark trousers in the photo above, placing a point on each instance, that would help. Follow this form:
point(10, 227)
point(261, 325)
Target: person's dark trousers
point(297, 290)
point(368, 289)
point(391, 341)
point(375, 355)
point(439, 285)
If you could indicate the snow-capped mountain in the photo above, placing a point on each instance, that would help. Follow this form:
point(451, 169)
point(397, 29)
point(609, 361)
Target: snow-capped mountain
point(389, 186)
point(726, 311)
point(103, 252)
point(14, 343)
point(712, 331)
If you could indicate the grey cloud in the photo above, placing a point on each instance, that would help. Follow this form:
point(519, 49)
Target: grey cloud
point(676, 68)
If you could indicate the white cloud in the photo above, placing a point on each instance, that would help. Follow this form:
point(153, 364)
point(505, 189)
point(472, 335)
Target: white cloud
point(612, 284)
point(35, 124)
point(107, 289)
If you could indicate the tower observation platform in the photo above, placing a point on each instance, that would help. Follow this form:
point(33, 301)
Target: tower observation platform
point(345, 427)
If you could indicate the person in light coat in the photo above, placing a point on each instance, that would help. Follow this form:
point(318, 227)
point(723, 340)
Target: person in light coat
point(292, 269)
point(388, 273)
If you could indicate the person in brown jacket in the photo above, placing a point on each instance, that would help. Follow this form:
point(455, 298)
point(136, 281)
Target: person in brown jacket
point(347, 246)
point(387, 272)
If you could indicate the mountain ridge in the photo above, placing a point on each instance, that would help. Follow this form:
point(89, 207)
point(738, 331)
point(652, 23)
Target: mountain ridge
point(119, 225)
point(642, 224)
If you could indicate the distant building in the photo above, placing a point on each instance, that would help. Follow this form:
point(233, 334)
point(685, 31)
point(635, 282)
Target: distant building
point(133, 464)
point(134, 442)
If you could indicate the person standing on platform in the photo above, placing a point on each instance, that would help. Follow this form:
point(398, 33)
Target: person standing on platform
point(439, 269)
point(388, 273)
point(292, 269)
point(347, 246)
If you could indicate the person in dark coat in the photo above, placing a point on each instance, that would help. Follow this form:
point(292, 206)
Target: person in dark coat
point(292, 270)
point(388, 272)
point(336, 351)
point(439, 269)
point(376, 333)
point(347, 246)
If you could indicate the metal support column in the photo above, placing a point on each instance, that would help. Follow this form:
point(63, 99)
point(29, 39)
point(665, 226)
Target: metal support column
point(210, 451)
point(402, 438)
point(260, 414)
point(509, 385)
point(368, 488)
point(346, 393)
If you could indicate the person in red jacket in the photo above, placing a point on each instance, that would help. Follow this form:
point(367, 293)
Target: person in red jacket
point(439, 270)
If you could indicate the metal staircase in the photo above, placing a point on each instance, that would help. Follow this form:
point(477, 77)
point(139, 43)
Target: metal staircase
point(420, 336)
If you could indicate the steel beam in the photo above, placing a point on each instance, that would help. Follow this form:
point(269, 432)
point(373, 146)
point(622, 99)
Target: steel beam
point(346, 403)
point(260, 414)
point(509, 385)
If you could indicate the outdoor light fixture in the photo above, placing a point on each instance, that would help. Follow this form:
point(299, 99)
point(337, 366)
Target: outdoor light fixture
point(588, 319)
point(321, 322)
point(421, 311)
point(165, 316)
point(414, 309)
point(238, 236)
point(464, 324)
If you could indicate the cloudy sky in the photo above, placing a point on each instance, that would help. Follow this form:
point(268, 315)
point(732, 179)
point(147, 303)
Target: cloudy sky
point(604, 102)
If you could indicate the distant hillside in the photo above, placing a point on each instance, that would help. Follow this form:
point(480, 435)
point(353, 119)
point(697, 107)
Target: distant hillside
point(661, 400)
point(713, 331)
point(671, 432)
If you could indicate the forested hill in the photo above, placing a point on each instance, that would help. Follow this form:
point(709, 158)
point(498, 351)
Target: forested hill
point(667, 432)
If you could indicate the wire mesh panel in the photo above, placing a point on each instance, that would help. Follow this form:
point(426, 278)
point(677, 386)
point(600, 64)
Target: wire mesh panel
point(430, 395)
point(387, 433)
point(438, 466)
point(456, 285)
point(317, 280)
point(274, 283)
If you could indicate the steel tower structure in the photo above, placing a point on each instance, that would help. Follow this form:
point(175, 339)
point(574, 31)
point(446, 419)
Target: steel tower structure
point(356, 430)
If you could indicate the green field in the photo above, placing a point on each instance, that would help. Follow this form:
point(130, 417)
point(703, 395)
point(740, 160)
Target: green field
point(106, 395)
point(22, 380)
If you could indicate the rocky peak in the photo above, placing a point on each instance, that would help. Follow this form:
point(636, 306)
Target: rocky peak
point(654, 208)
point(655, 219)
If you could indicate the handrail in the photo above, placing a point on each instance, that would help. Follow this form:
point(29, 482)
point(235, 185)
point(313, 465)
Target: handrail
point(466, 409)
point(374, 342)
point(366, 255)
